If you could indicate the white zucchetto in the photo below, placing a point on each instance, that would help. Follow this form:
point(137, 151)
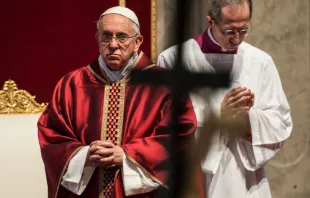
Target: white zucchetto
point(126, 12)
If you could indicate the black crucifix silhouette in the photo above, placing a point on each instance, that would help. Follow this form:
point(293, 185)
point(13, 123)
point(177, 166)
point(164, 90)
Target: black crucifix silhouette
point(179, 80)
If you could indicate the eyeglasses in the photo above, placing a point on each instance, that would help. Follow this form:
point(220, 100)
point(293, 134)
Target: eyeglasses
point(232, 33)
point(106, 38)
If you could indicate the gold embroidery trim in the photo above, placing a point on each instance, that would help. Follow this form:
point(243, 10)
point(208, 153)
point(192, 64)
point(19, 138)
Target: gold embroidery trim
point(105, 112)
point(96, 75)
point(65, 167)
point(104, 132)
point(147, 173)
point(122, 3)
point(153, 31)
point(119, 135)
point(16, 101)
point(121, 113)
point(148, 67)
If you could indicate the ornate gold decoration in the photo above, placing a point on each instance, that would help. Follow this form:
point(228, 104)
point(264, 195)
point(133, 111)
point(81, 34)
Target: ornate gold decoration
point(13, 100)
point(111, 130)
point(122, 3)
point(153, 31)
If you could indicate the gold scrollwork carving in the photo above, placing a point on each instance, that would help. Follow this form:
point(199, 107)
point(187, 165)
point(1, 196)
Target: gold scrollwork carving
point(15, 101)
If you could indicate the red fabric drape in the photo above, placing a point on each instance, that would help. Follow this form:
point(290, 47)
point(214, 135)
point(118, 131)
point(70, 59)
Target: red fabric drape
point(73, 119)
point(43, 40)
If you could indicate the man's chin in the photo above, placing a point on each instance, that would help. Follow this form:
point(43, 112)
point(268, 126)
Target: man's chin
point(231, 49)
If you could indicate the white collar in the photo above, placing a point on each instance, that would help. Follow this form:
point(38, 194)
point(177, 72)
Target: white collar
point(211, 37)
point(213, 40)
point(117, 75)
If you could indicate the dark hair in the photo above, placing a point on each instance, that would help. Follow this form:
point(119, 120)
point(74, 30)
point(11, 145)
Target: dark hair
point(215, 7)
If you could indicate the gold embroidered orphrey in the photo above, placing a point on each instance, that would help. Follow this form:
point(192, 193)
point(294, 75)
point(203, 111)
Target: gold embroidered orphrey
point(112, 130)
point(15, 101)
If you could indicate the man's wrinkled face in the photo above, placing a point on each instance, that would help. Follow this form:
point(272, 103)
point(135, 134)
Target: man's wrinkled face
point(235, 19)
point(117, 40)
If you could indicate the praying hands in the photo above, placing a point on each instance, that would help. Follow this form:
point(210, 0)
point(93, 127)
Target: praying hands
point(236, 105)
point(237, 102)
point(104, 154)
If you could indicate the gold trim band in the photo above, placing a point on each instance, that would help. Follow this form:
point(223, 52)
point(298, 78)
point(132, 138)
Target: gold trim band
point(148, 67)
point(153, 31)
point(96, 75)
point(122, 3)
point(111, 129)
point(147, 172)
point(65, 168)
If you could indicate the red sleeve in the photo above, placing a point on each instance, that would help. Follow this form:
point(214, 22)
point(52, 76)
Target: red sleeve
point(150, 154)
point(57, 140)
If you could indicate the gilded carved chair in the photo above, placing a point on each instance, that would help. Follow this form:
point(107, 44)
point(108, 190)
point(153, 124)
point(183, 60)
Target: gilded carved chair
point(21, 168)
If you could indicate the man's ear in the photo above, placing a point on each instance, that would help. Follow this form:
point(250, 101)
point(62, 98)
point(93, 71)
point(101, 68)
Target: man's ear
point(209, 21)
point(138, 42)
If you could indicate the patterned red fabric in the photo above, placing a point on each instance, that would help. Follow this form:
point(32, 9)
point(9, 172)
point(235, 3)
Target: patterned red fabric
point(112, 129)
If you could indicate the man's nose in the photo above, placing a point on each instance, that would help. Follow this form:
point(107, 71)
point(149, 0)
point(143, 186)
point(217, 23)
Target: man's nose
point(237, 39)
point(113, 43)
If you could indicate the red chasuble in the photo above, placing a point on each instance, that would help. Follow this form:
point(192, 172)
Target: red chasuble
point(86, 107)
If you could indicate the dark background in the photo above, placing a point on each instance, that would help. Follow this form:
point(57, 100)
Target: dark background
point(43, 40)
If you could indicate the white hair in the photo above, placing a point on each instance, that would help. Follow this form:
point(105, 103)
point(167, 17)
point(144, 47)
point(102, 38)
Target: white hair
point(134, 26)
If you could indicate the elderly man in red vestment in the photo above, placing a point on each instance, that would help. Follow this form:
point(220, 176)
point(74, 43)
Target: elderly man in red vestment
point(101, 136)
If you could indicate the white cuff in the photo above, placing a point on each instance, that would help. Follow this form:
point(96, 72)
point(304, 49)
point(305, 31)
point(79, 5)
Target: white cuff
point(135, 181)
point(78, 176)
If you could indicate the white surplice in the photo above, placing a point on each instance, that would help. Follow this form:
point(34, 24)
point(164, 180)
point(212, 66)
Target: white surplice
point(235, 168)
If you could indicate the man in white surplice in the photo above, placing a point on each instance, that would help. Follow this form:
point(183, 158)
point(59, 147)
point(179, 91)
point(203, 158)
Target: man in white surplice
point(235, 168)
